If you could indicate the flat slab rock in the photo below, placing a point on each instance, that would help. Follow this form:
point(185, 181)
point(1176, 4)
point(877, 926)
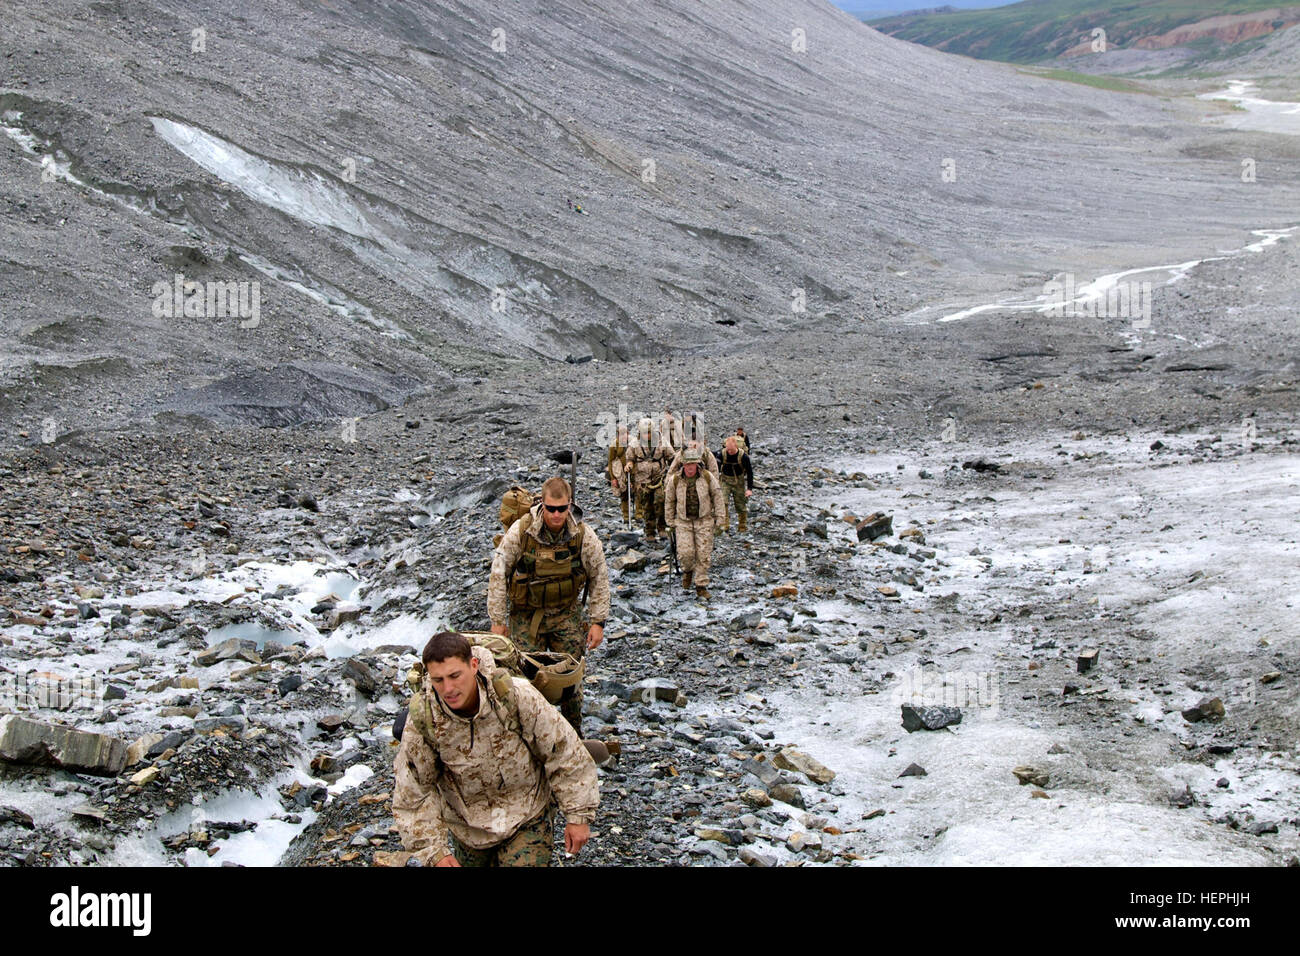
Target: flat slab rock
point(34, 742)
point(790, 759)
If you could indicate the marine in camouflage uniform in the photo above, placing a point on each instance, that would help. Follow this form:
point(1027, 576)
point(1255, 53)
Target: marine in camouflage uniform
point(483, 786)
point(616, 472)
point(694, 505)
point(648, 463)
point(536, 584)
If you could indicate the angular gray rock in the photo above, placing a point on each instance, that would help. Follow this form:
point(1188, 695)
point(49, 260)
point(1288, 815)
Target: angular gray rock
point(34, 742)
point(929, 718)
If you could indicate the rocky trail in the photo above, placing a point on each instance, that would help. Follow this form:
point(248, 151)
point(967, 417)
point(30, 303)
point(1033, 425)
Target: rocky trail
point(229, 615)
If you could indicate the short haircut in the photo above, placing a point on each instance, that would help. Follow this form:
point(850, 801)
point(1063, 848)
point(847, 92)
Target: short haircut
point(444, 645)
point(557, 487)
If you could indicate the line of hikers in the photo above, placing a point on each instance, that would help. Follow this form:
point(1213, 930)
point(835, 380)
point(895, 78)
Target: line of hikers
point(485, 758)
point(671, 480)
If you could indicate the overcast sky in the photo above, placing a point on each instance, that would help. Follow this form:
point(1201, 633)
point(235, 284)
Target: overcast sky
point(883, 8)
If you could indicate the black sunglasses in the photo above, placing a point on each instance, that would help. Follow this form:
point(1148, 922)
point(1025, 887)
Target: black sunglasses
point(556, 509)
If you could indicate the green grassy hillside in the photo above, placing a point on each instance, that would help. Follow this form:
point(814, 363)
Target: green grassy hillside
point(1038, 30)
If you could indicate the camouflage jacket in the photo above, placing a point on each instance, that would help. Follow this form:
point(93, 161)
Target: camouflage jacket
point(708, 489)
point(647, 465)
point(485, 778)
point(507, 556)
point(708, 460)
point(614, 467)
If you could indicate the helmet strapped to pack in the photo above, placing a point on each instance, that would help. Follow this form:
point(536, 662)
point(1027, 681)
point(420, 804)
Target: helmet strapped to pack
point(555, 676)
point(515, 503)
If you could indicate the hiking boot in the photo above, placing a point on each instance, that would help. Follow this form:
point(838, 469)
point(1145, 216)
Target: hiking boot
point(702, 593)
point(742, 526)
point(687, 578)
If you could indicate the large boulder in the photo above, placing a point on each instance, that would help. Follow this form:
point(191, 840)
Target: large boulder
point(51, 745)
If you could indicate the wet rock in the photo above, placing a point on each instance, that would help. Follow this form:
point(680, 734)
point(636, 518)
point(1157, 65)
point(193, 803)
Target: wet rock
point(767, 774)
point(227, 724)
point(1182, 798)
point(34, 742)
point(398, 649)
point(1209, 708)
point(146, 776)
point(331, 722)
point(790, 759)
point(788, 793)
point(361, 676)
point(183, 683)
point(1260, 827)
point(979, 465)
point(632, 561)
point(1270, 677)
point(929, 718)
point(799, 842)
point(652, 689)
point(756, 797)
point(140, 748)
point(751, 857)
point(228, 650)
point(718, 835)
point(10, 815)
point(86, 611)
point(1086, 660)
point(308, 501)
point(747, 620)
point(1027, 773)
point(913, 770)
point(289, 684)
point(114, 692)
point(322, 764)
point(873, 526)
point(343, 614)
point(166, 742)
point(188, 710)
point(785, 591)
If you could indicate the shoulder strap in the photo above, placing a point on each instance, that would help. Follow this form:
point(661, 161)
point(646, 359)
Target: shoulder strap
point(503, 686)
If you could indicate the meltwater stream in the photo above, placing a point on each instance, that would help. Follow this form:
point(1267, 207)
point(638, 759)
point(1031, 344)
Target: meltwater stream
point(1099, 295)
point(1267, 116)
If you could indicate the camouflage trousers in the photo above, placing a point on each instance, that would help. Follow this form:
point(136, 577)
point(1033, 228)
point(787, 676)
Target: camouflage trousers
point(561, 632)
point(695, 547)
point(733, 495)
point(530, 846)
point(623, 505)
point(650, 501)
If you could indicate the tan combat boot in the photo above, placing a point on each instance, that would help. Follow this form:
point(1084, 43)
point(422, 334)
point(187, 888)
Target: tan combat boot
point(702, 593)
point(687, 578)
point(742, 526)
